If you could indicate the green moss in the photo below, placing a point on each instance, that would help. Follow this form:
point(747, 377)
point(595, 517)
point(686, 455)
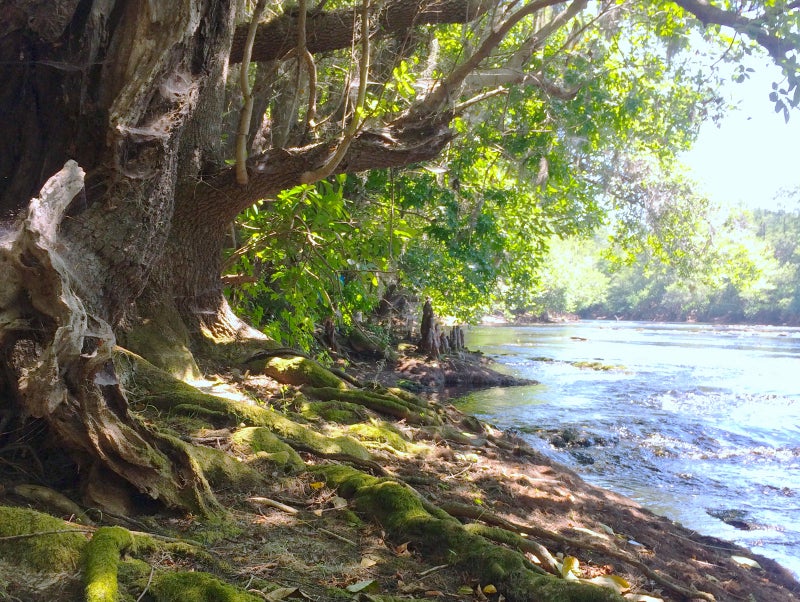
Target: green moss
point(197, 587)
point(100, 562)
point(163, 340)
point(334, 411)
point(224, 471)
point(265, 444)
point(151, 386)
point(297, 371)
point(195, 411)
point(52, 553)
point(387, 404)
point(380, 432)
point(406, 517)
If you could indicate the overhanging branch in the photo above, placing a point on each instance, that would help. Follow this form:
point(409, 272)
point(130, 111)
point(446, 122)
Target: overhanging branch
point(707, 13)
point(222, 199)
point(335, 30)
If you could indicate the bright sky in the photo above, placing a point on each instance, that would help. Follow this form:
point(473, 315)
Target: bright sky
point(754, 153)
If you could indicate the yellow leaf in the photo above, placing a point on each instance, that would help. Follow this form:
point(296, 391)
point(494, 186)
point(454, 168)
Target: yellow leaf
point(615, 582)
point(367, 562)
point(402, 549)
point(571, 568)
point(317, 485)
point(489, 589)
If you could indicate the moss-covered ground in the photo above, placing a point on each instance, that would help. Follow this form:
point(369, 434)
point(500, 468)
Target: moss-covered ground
point(333, 491)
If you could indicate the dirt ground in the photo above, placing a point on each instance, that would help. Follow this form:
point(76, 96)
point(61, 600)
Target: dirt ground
point(296, 538)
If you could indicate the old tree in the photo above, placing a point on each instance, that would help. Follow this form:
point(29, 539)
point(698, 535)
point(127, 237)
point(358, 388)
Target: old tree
point(133, 134)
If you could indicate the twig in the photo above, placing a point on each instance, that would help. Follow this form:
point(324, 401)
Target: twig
point(265, 501)
point(41, 533)
point(334, 535)
point(433, 570)
point(149, 581)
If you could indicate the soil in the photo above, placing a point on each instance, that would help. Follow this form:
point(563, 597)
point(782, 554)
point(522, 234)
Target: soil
point(317, 547)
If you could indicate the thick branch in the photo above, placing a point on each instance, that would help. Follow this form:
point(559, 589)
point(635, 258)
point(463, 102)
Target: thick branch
point(707, 13)
point(280, 169)
point(335, 30)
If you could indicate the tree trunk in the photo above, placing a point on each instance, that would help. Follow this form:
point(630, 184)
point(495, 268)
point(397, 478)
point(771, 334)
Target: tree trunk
point(82, 252)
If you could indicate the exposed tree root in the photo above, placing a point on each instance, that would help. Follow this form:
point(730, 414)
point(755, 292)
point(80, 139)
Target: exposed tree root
point(401, 512)
point(101, 561)
point(481, 514)
point(151, 386)
point(388, 404)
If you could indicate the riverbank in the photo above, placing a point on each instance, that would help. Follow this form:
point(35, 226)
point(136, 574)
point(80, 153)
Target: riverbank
point(374, 496)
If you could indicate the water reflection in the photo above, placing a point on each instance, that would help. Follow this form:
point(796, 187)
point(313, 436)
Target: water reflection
point(700, 422)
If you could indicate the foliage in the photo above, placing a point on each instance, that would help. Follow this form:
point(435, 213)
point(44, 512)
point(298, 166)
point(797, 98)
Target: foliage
point(747, 270)
point(312, 254)
point(580, 129)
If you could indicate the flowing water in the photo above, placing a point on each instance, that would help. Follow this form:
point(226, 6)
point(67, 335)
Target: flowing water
point(698, 423)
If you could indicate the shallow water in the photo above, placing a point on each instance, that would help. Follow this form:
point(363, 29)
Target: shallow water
point(695, 422)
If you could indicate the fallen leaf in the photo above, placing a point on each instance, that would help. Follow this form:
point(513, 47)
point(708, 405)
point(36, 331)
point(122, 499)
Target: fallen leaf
point(316, 485)
point(368, 585)
point(590, 532)
point(642, 598)
point(571, 568)
point(744, 561)
point(367, 562)
point(402, 549)
point(606, 528)
point(338, 502)
point(615, 582)
point(489, 589)
point(282, 593)
point(464, 590)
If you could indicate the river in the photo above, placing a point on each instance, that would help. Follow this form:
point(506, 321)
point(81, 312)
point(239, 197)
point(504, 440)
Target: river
point(699, 423)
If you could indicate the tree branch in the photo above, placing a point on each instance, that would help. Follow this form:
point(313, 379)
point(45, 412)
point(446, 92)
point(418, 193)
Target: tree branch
point(247, 97)
point(438, 98)
point(335, 30)
point(753, 28)
point(280, 169)
point(350, 131)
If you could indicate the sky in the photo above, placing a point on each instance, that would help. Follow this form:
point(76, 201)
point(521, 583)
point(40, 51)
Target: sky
point(754, 153)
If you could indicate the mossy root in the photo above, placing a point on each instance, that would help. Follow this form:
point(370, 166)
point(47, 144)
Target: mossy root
point(404, 515)
point(101, 561)
point(53, 547)
point(197, 587)
point(386, 404)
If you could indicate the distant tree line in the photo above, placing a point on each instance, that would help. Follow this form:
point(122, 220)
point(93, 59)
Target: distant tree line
point(742, 267)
